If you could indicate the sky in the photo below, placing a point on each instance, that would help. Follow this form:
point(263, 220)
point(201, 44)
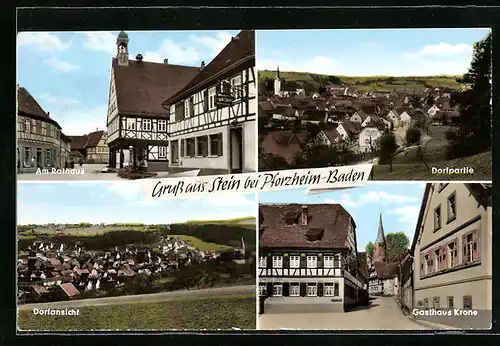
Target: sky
point(398, 203)
point(368, 52)
point(120, 202)
point(68, 72)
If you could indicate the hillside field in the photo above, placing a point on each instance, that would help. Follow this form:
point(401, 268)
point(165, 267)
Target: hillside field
point(313, 81)
point(201, 313)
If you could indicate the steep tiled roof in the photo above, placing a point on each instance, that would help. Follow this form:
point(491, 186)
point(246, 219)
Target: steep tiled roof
point(386, 270)
point(27, 105)
point(86, 141)
point(237, 55)
point(141, 87)
point(69, 289)
point(279, 231)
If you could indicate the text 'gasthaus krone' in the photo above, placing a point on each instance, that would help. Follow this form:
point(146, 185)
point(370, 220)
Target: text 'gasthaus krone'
point(318, 178)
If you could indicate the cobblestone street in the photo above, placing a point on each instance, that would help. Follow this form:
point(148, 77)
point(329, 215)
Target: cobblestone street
point(383, 314)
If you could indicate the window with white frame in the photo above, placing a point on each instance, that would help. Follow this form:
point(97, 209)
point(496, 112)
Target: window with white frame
point(294, 290)
point(162, 152)
point(33, 126)
point(187, 108)
point(312, 289)
point(27, 125)
point(146, 125)
point(277, 290)
point(44, 129)
point(262, 262)
point(328, 289)
point(236, 88)
point(130, 124)
point(294, 261)
point(262, 289)
point(337, 261)
point(312, 261)
point(328, 261)
point(211, 98)
point(277, 261)
point(162, 126)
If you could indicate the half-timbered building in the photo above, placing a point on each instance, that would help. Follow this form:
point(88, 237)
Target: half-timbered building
point(91, 148)
point(212, 122)
point(308, 260)
point(136, 120)
point(39, 141)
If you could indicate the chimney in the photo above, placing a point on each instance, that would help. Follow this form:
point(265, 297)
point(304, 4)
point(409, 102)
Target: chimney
point(202, 64)
point(138, 57)
point(48, 114)
point(304, 216)
point(165, 61)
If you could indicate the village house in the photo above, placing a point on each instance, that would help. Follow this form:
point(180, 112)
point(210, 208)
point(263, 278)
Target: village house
point(285, 144)
point(308, 260)
point(92, 147)
point(330, 137)
point(368, 137)
point(40, 142)
point(452, 250)
point(212, 122)
point(284, 88)
point(136, 120)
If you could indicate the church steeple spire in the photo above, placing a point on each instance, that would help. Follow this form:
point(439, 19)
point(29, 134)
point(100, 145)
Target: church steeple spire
point(278, 72)
point(380, 235)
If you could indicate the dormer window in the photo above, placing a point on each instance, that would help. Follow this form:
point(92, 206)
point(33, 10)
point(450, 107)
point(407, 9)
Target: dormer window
point(314, 234)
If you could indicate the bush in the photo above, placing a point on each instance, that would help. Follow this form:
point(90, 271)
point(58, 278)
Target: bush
point(413, 135)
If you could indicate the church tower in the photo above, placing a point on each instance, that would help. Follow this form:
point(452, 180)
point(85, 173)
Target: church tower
point(277, 82)
point(122, 48)
point(380, 243)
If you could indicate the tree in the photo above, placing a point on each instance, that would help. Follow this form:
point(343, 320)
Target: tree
point(396, 246)
point(370, 251)
point(473, 134)
point(321, 90)
point(429, 100)
point(413, 135)
point(268, 86)
point(387, 147)
point(415, 101)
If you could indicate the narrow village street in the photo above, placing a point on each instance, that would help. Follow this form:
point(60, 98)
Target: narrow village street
point(382, 314)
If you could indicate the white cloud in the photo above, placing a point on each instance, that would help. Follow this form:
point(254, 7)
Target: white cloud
point(126, 190)
point(41, 41)
point(59, 65)
point(345, 201)
point(215, 44)
point(373, 197)
point(407, 214)
point(173, 52)
point(59, 101)
point(101, 41)
point(442, 50)
point(318, 64)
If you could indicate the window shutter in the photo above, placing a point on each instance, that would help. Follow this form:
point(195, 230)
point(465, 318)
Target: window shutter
point(320, 261)
point(303, 262)
point(205, 100)
point(269, 289)
point(320, 289)
point(464, 246)
point(455, 250)
point(475, 245)
point(269, 262)
point(443, 257)
point(286, 261)
point(303, 289)
point(286, 289)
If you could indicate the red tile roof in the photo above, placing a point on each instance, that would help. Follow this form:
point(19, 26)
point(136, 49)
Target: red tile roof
point(386, 270)
point(86, 141)
point(141, 87)
point(279, 233)
point(238, 54)
point(69, 289)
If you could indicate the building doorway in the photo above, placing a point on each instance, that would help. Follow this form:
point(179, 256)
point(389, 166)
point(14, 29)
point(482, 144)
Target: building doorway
point(39, 157)
point(236, 138)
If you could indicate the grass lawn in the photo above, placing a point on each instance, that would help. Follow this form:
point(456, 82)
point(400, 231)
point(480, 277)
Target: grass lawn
point(414, 170)
point(200, 244)
point(182, 314)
